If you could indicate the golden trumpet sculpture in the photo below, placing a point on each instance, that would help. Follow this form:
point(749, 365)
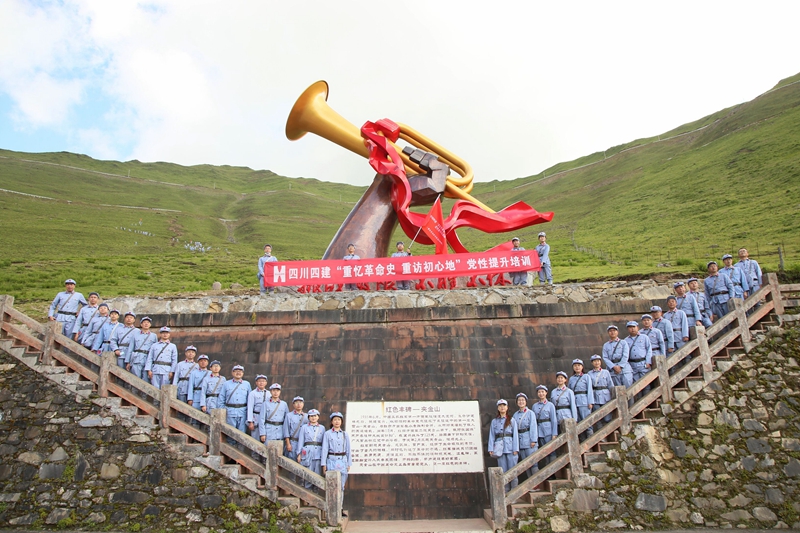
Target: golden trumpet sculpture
point(311, 113)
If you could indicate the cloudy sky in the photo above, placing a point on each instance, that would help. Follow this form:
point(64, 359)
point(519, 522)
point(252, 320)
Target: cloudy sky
point(511, 87)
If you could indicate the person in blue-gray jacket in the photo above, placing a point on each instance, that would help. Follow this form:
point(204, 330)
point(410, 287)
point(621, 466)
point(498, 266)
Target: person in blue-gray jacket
point(518, 278)
point(640, 351)
point(273, 415)
point(741, 285)
point(657, 342)
point(93, 328)
point(615, 354)
point(751, 269)
point(309, 444)
point(719, 289)
point(233, 397)
point(688, 304)
point(702, 301)
point(664, 326)
point(527, 430)
point(563, 399)
point(255, 403)
point(161, 360)
point(182, 372)
point(543, 249)
point(601, 387)
point(336, 450)
point(141, 341)
point(102, 342)
point(504, 441)
point(581, 386)
point(197, 380)
point(122, 338)
point(546, 425)
point(294, 420)
point(209, 393)
point(84, 316)
point(266, 258)
point(65, 307)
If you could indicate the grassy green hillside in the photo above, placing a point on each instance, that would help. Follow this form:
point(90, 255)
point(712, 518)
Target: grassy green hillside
point(691, 194)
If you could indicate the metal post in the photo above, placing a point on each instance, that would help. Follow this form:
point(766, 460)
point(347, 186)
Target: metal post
point(497, 493)
point(621, 393)
point(741, 318)
point(705, 352)
point(663, 378)
point(218, 417)
point(107, 360)
point(333, 497)
point(51, 329)
point(573, 446)
point(775, 290)
point(168, 394)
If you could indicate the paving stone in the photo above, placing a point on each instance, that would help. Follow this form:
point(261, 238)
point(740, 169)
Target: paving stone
point(585, 500)
point(764, 514)
point(738, 515)
point(651, 502)
point(56, 515)
point(792, 469)
point(758, 445)
point(559, 524)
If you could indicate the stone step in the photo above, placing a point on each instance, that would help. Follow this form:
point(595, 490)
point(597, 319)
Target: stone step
point(696, 384)
point(51, 370)
point(177, 438)
point(605, 446)
point(145, 421)
point(642, 421)
point(230, 471)
point(70, 378)
point(651, 413)
point(554, 485)
point(681, 395)
point(84, 385)
point(724, 366)
point(211, 461)
point(251, 481)
point(594, 457)
point(286, 501)
point(518, 509)
point(194, 449)
point(310, 512)
point(537, 496)
point(126, 413)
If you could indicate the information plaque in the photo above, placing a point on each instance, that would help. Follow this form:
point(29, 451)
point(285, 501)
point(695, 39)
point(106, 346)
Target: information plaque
point(414, 437)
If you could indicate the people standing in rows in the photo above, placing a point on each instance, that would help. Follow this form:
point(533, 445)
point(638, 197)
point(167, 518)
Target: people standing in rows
point(518, 278)
point(93, 328)
point(197, 381)
point(273, 415)
point(233, 398)
point(665, 327)
point(266, 258)
point(702, 301)
point(292, 423)
point(309, 444)
point(687, 304)
point(141, 341)
point(546, 425)
point(405, 284)
point(122, 337)
point(84, 316)
point(657, 342)
point(616, 354)
point(65, 307)
point(563, 399)
point(504, 441)
point(102, 342)
point(738, 277)
point(255, 404)
point(212, 388)
point(182, 372)
point(336, 450)
point(527, 431)
point(351, 256)
point(601, 387)
point(751, 269)
point(679, 321)
point(719, 289)
point(543, 250)
point(161, 360)
point(581, 386)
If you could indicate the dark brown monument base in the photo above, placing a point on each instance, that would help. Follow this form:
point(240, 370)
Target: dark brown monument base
point(440, 353)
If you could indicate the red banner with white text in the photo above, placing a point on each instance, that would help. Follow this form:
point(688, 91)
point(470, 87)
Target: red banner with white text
point(390, 269)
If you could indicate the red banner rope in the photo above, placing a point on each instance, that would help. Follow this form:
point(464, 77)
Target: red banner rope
point(383, 157)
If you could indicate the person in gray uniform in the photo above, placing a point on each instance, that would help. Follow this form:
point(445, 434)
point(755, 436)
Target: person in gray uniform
point(182, 372)
point(518, 278)
point(504, 441)
point(266, 258)
point(233, 397)
point(162, 359)
point(196, 382)
point(719, 289)
point(688, 304)
point(546, 426)
point(640, 354)
point(616, 353)
point(211, 389)
point(122, 338)
point(65, 307)
point(563, 398)
point(527, 431)
point(351, 256)
point(93, 328)
point(701, 299)
point(679, 322)
point(664, 326)
point(292, 423)
point(143, 339)
point(741, 285)
point(255, 403)
point(336, 450)
point(102, 341)
point(309, 445)
point(657, 342)
point(402, 285)
point(543, 250)
point(601, 387)
point(85, 315)
point(581, 386)
point(270, 423)
point(751, 270)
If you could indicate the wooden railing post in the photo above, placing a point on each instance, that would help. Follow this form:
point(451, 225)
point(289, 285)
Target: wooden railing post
point(169, 393)
point(218, 417)
point(663, 378)
point(51, 329)
point(333, 497)
point(736, 305)
point(274, 449)
point(107, 360)
point(621, 394)
point(705, 352)
point(775, 291)
point(6, 303)
point(573, 445)
point(497, 493)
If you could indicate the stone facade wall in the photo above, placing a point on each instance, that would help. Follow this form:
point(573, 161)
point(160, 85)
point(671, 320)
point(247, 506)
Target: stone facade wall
point(727, 458)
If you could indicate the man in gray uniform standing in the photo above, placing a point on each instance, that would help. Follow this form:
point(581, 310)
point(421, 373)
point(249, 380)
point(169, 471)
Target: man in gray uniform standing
point(65, 307)
point(161, 360)
point(688, 304)
point(405, 284)
point(719, 289)
point(351, 256)
point(266, 258)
